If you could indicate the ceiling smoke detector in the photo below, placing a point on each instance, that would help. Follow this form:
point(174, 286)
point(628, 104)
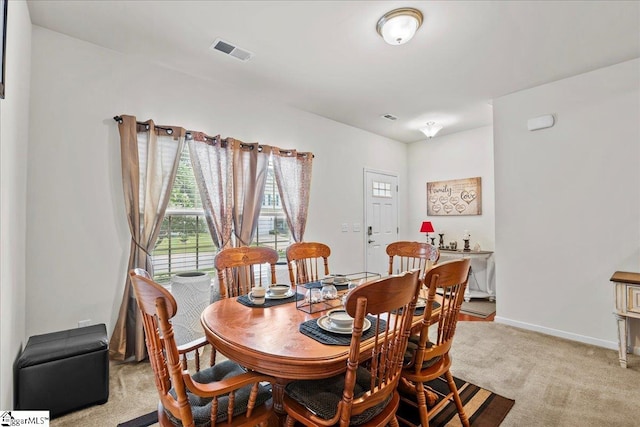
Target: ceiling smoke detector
point(231, 50)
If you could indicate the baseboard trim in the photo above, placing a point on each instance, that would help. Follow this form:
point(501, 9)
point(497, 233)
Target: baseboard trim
point(613, 345)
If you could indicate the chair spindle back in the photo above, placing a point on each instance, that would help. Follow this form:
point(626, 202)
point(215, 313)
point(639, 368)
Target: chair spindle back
point(310, 260)
point(390, 304)
point(405, 256)
point(239, 268)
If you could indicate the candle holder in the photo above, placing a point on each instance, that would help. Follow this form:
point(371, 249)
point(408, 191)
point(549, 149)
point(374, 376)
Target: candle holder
point(466, 245)
point(433, 241)
point(441, 244)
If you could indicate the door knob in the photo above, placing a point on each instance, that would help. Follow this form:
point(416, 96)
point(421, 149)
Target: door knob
point(371, 241)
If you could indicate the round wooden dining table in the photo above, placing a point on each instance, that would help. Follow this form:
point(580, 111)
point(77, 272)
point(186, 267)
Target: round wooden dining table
point(267, 340)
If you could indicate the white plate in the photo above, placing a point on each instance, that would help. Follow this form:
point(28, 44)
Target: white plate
point(287, 294)
point(325, 323)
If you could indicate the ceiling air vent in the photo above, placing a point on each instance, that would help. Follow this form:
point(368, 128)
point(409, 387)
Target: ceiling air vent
point(231, 50)
point(389, 117)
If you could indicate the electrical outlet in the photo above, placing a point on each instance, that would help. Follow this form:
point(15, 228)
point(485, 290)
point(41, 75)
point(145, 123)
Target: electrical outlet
point(83, 323)
point(345, 227)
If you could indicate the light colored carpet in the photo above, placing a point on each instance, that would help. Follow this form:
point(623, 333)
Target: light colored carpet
point(132, 393)
point(554, 382)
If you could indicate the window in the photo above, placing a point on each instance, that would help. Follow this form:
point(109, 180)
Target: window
point(184, 243)
point(382, 189)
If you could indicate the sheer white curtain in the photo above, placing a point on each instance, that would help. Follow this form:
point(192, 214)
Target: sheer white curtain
point(293, 176)
point(212, 163)
point(150, 155)
point(250, 165)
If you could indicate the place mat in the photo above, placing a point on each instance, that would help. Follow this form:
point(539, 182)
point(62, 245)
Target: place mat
point(420, 310)
point(311, 329)
point(244, 300)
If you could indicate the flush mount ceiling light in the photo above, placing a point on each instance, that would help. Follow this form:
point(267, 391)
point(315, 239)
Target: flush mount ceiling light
point(399, 25)
point(431, 129)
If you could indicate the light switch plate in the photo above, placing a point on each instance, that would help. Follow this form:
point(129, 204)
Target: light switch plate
point(345, 227)
point(356, 227)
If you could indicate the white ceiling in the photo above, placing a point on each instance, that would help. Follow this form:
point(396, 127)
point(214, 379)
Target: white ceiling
point(325, 57)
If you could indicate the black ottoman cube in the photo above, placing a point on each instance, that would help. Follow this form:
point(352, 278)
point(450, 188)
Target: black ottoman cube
point(64, 371)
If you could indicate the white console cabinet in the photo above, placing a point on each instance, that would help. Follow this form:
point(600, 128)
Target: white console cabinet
point(627, 293)
point(482, 277)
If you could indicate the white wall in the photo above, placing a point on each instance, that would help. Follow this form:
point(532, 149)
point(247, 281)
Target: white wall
point(14, 137)
point(460, 155)
point(567, 202)
point(78, 238)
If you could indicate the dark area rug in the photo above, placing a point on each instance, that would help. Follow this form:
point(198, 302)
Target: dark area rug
point(483, 407)
point(142, 421)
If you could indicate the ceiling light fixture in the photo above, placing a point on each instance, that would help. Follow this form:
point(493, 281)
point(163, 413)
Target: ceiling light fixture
point(399, 25)
point(431, 129)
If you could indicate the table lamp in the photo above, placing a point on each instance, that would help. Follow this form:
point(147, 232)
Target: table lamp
point(426, 227)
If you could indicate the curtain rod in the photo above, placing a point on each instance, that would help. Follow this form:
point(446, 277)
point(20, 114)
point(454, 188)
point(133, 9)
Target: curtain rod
point(166, 129)
point(189, 132)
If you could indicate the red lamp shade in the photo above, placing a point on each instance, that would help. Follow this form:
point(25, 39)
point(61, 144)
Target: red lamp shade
point(426, 227)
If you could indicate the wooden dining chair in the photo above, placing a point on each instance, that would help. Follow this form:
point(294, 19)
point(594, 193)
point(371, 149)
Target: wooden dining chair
point(405, 256)
point(239, 268)
point(224, 392)
point(366, 394)
point(429, 359)
point(307, 262)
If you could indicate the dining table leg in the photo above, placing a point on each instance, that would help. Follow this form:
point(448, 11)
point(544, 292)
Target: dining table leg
point(278, 398)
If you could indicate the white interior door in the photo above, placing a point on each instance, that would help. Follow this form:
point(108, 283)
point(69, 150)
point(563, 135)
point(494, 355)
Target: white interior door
point(381, 218)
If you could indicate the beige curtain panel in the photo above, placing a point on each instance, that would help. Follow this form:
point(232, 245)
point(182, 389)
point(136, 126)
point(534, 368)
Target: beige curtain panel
point(212, 163)
point(250, 164)
point(293, 177)
point(150, 156)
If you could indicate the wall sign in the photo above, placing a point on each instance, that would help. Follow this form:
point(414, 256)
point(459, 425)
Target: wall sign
point(455, 197)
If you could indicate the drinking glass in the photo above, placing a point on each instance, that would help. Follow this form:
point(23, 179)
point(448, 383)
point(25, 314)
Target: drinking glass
point(351, 286)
